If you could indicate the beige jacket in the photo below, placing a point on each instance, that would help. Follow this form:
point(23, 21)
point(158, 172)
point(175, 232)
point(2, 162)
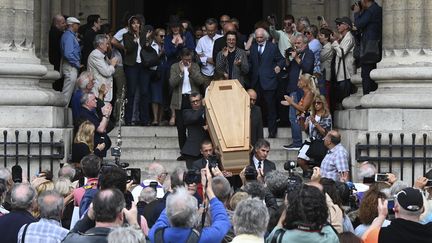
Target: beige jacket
point(103, 73)
point(347, 44)
point(335, 215)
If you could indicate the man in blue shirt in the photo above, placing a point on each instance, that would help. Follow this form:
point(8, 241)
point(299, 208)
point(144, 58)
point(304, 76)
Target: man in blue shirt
point(71, 56)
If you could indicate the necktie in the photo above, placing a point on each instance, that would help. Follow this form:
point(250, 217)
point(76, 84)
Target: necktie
point(260, 49)
point(259, 164)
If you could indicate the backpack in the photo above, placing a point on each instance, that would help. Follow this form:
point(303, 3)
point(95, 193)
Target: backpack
point(193, 237)
point(87, 200)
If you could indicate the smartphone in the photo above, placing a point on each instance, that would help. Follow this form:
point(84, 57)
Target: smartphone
point(154, 184)
point(134, 174)
point(390, 206)
point(381, 177)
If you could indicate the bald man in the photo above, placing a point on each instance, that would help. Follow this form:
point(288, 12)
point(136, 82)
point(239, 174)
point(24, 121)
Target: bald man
point(256, 123)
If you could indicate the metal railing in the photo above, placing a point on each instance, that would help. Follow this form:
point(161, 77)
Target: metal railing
point(34, 150)
point(390, 153)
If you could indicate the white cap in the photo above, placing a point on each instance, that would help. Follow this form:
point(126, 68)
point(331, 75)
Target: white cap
point(72, 20)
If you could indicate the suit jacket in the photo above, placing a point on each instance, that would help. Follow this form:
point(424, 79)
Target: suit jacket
point(194, 122)
point(306, 66)
point(268, 165)
point(103, 73)
point(262, 66)
point(132, 48)
point(256, 124)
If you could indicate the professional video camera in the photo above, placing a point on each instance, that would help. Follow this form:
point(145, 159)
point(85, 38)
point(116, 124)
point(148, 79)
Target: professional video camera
point(290, 166)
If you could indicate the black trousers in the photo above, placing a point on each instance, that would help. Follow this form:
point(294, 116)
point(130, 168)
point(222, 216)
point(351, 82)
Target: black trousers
point(368, 84)
point(181, 128)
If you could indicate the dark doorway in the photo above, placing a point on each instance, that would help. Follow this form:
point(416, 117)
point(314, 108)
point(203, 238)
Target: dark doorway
point(157, 12)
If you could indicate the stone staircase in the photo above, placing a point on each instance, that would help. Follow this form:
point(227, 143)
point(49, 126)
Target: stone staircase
point(143, 145)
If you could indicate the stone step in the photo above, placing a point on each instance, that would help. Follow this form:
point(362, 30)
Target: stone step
point(172, 142)
point(171, 131)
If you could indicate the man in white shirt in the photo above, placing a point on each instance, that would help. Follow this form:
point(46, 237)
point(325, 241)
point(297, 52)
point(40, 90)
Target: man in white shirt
point(204, 49)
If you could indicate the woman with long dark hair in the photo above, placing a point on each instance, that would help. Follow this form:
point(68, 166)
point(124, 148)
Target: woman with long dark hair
point(305, 219)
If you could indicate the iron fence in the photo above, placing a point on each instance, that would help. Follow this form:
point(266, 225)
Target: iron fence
point(31, 150)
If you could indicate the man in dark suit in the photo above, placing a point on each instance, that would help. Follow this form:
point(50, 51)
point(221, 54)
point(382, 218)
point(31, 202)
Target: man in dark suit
point(265, 62)
point(256, 124)
point(301, 60)
point(259, 158)
point(22, 198)
point(196, 128)
point(206, 151)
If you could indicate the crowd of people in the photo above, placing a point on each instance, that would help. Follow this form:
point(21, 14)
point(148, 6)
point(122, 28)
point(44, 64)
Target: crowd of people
point(163, 73)
point(158, 69)
point(201, 205)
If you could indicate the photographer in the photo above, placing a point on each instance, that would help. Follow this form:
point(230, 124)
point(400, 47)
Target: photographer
point(299, 61)
point(176, 222)
point(284, 36)
point(368, 19)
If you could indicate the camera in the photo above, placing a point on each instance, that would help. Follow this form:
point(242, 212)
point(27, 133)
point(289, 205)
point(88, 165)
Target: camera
point(250, 173)
point(290, 166)
point(356, 3)
point(213, 161)
point(153, 184)
point(116, 151)
point(429, 183)
point(134, 174)
point(320, 18)
point(381, 177)
point(192, 176)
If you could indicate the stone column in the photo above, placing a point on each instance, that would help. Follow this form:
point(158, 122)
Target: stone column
point(20, 72)
point(403, 101)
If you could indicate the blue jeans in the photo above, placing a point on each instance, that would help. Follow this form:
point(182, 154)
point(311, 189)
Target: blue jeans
point(295, 127)
point(137, 76)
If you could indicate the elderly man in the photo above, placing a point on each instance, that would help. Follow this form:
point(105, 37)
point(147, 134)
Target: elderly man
point(71, 54)
point(250, 221)
point(256, 123)
point(58, 26)
point(259, 158)
point(85, 84)
point(204, 49)
point(6, 176)
point(102, 68)
point(156, 173)
point(265, 62)
point(108, 213)
point(176, 222)
point(406, 226)
point(343, 46)
point(301, 60)
point(335, 164)
point(88, 112)
point(185, 78)
point(22, 198)
point(48, 228)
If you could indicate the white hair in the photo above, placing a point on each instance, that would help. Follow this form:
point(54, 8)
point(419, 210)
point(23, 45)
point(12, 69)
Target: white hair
point(251, 217)
point(181, 208)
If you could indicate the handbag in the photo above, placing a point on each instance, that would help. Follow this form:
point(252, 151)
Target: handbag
point(149, 57)
point(370, 52)
point(317, 150)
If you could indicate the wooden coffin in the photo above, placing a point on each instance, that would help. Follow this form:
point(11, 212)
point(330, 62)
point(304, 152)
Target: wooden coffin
point(228, 117)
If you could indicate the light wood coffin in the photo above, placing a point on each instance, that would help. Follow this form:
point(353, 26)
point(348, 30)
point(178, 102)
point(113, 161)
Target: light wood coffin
point(228, 117)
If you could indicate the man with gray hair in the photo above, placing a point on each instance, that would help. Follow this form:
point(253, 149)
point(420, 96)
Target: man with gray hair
point(85, 84)
point(102, 68)
point(277, 181)
point(156, 172)
point(265, 62)
point(176, 222)
point(6, 175)
point(48, 228)
point(67, 171)
point(22, 197)
point(250, 221)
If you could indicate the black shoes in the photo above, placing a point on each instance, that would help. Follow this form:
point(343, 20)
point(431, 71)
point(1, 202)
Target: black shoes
point(291, 147)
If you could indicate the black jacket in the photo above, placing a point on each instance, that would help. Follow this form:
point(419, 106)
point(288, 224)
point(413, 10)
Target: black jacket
point(256, 124)
point(194, 121)
point(403, 231)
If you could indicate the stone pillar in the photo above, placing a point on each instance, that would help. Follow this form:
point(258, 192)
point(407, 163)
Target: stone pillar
point(24, 105)
point(403, 102)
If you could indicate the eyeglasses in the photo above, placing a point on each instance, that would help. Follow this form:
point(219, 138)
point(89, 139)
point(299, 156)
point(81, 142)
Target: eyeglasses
point(161, 36)
point(317, 102)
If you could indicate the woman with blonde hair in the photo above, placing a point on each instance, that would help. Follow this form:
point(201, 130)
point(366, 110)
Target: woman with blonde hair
point(84, 143)
point(307, 83)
